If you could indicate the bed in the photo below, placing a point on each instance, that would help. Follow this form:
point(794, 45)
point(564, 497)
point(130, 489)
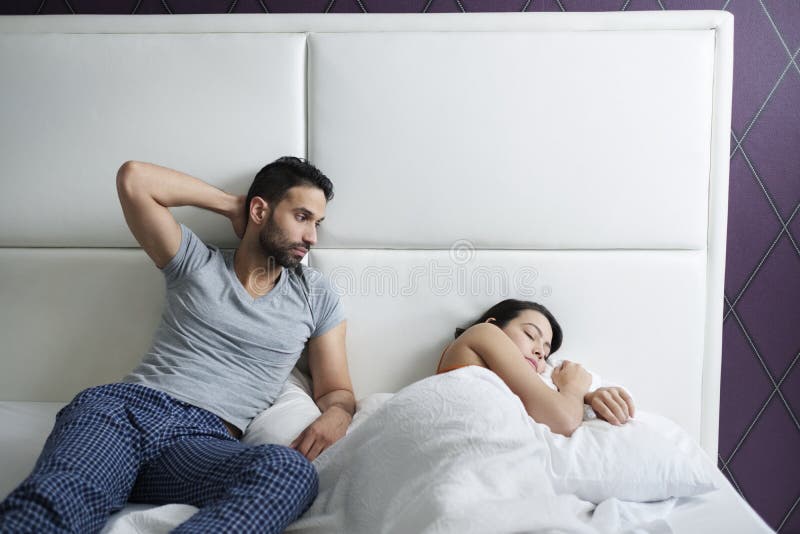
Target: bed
point(575, 159)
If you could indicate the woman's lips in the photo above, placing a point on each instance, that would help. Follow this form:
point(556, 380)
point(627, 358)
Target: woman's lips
point(533, 364)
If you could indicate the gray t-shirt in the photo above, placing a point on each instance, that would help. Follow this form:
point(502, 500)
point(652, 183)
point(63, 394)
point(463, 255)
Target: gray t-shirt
point(222, 350)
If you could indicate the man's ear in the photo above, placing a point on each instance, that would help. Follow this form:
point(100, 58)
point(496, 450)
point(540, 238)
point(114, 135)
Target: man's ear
point(258, 210)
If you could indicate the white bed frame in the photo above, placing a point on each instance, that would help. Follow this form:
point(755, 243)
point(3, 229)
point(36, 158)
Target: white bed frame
point(580, 160)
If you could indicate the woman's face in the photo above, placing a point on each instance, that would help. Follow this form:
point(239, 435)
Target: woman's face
point(531, 333)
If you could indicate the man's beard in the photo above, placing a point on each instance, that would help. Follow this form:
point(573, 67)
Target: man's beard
point(277, 247)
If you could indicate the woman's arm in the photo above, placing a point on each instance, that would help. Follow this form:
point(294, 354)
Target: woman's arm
point(613, 404)
point(561, 410)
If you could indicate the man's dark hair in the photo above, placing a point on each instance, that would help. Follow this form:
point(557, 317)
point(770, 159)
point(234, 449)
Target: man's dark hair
point(274, 180)
point(505, 311)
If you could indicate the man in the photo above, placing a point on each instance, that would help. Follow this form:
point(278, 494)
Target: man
point(233, 326)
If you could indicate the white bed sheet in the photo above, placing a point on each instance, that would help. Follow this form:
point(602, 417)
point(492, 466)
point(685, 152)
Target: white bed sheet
point(25, 426)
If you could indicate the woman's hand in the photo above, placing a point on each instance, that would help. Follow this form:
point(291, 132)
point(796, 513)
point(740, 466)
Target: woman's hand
point(612, 404)
point(572, 377)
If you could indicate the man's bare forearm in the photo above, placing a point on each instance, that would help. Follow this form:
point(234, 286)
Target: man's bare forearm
point(172, 188)
point(340, 398)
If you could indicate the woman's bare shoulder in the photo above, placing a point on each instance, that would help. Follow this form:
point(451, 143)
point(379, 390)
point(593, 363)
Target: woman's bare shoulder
point(480, 333)
point(462, 351)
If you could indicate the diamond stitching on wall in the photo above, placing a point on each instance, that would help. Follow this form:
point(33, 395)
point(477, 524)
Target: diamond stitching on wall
point(764, 104)
point(776, 386)
point(784, 229)
point(775, 390)
point(788, 514)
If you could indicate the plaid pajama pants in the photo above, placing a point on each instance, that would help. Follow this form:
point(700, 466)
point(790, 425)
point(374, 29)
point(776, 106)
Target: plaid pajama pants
point(121, 442)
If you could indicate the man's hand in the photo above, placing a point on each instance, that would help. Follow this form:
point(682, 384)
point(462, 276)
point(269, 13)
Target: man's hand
point(612, 404)
point(329, 428)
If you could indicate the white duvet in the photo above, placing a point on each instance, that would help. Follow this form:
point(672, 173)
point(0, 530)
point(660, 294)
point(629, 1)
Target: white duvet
point(457, 453)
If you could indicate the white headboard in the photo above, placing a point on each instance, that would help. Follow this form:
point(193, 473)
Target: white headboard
point(579, 160)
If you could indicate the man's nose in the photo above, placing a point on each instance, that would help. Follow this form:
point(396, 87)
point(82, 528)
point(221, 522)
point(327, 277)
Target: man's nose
point(310, 237)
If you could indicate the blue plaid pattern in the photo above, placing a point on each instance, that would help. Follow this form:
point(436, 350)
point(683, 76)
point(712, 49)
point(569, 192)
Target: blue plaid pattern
point(121, 442)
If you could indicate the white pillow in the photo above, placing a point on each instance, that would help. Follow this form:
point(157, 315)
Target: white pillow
point(597, 382)
point(649, 458)
point(292, 411)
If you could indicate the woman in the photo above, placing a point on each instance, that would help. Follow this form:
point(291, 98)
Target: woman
point(513, 339)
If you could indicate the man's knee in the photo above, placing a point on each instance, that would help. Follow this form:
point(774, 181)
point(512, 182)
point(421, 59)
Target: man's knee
point(286, 468)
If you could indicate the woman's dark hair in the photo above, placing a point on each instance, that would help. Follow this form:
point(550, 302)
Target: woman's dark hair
point(274, 180)
point(505, 311)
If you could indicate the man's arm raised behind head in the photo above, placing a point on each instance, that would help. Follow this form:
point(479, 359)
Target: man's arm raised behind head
point(146, 191)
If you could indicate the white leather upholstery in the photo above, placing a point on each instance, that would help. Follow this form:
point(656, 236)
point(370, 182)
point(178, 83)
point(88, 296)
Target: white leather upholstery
point(375, 22)
point(74, 318)
point(75, 107)
point(592, 147)
point(514, 140)
point(403, 307)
